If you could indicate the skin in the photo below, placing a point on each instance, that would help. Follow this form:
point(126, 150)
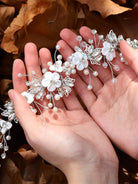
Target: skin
point(70, 139)
point(114, 107)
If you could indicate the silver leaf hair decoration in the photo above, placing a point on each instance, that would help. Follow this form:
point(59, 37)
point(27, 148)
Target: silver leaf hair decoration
point(57, 81)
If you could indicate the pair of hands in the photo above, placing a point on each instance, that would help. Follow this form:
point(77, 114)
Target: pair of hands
point(73, 140)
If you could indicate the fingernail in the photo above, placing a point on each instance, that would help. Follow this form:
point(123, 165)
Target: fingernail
point(12, 95)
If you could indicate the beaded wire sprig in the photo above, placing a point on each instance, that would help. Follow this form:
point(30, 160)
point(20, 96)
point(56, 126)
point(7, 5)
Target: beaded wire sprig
point(57, 82)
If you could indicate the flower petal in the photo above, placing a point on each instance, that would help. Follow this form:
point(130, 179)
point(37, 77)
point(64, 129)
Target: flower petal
point(52, 68)
point(55, 76)
point(58, 84)
point(45, 82)
point(105, 51)
point(51, 87)
point(75, 60)
point(48, 75)
point(110, 56)
point(85, 64)
point(80, 66)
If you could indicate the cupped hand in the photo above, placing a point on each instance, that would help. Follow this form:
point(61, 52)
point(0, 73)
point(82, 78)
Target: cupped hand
point(113, 106)
point(70, 139)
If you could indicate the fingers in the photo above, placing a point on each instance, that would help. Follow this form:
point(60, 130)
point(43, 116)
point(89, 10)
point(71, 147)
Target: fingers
point(130, 55)
point(23, 112)
point(87, 96)
point(104, 75)
point(80, 85)
point(72, 102)
point(19, 82)
point(45, 57)
point(69, 37)
point(67, 51)
point(31, 60)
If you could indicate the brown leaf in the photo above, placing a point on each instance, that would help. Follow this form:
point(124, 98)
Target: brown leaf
point(104, 7)
point(25, 17)
point(121, 2)
point(40, 23)
point(27, 167)
point(125, 23)
point(5, 86)
point(15, 3)
point(6, 16)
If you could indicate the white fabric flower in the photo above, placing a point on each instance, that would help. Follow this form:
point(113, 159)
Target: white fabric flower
point(51, 81)
point(57, 66)
point(29, 97)
point(108, 51)
point(4, 126)
point(80, 60)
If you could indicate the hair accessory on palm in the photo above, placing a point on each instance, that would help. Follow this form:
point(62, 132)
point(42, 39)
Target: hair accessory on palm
point(57, 81)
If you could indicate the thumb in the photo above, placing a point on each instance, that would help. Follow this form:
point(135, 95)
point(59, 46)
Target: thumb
point(130, 55)
point(23, 112)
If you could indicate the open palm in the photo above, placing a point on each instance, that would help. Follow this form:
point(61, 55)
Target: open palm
point(113, 106)
point(70, 135)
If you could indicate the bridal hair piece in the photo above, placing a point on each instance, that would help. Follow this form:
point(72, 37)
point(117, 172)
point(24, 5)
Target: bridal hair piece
point(58, 80)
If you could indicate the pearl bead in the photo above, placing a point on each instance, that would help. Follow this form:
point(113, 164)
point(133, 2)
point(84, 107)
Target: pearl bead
point(57, 97)
point(72, 65)
point(57, 47)
point(95, 73)
point(114, 80)
point(48, 96)
point(105, 65)
point(49, 63)
point(86, 72)
point(89, 87)
point(50, 105)
point(120, 54)
point(1, 145)
point(73, 71)
point(59, 57)
point(94, 31)
point(8, 137)
point(101, 37)
point(122, 59)
point(67, 64)
point(79, 38)
point(6, 148)
point(44, 70)
point(3, 155)
point(55, 109)
point(19, 75)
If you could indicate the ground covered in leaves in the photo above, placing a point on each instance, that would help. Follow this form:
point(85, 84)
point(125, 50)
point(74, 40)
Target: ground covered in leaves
point(19, 20)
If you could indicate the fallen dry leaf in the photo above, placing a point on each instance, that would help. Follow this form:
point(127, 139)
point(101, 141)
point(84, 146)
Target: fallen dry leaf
point(125, 23)
point(5, 86)
point(6, 16)
point(104, 7)
point(15, 3)
point(26, 14)
point(27, 167)
point(121, 2)
point(25, 27)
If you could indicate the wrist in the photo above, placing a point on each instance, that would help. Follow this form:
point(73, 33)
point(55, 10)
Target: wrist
point(99, 173)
